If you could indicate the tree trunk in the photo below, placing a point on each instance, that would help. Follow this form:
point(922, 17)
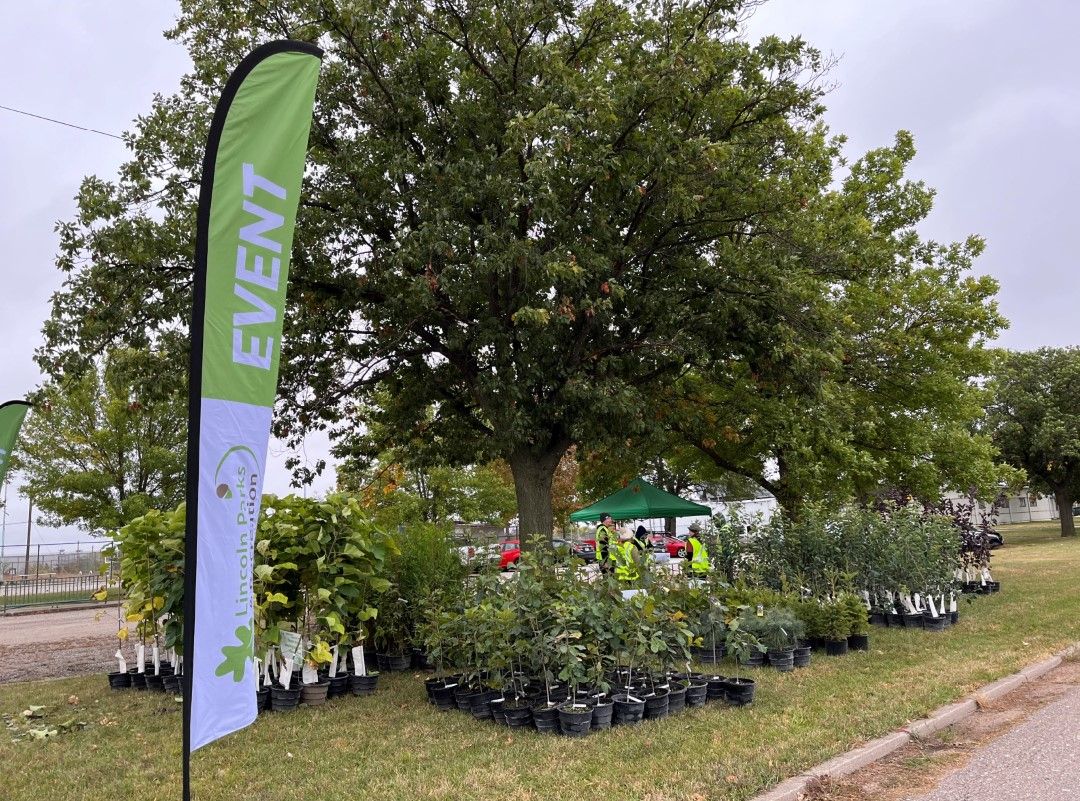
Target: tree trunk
point(532, 485)
point(1064, 498)
point(669, 525)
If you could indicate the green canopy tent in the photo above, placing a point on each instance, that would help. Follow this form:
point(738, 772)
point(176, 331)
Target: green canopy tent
point(640, 500)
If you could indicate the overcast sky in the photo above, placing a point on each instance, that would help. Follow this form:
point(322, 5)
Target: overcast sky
point(986, 86)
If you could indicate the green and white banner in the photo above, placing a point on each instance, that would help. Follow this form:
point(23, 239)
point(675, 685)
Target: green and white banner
point(12, 415)
point(252, 174)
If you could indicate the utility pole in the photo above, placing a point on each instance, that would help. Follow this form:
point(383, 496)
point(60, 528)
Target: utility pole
point(29, 523)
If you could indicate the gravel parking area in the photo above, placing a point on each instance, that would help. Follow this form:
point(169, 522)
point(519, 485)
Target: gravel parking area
point(50, 645)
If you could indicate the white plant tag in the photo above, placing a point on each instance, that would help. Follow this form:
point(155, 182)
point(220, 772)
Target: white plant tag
point(291, 646)
point(123, 663)
point(952, 603)
point(343, 664)
point(866, 598)
point(360, 661)
point(309, 675)
point(918, 602)
point(333, 662)
point(268, 668)
point(986, 576)
point(140, 663)
point(933, 606)
point(157, 660)
point(286, 674)
point(908, 606)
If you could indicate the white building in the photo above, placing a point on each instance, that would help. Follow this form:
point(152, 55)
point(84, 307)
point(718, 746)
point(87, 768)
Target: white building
point(1027, 507)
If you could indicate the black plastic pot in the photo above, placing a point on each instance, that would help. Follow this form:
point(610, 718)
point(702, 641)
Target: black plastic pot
point(517, 715)
point(165, 669)
point(282, 700)
point(138, 680)
point(395, 662)
point(575, 720)
point(627, 711)
point(784, 661)
point(120, 681)
point(463, 695)
point(895, 619)
point(716, 689)
point(800, 657)
point(443, 696)
point(154, 683)
point(836, 647)
point(914, 621)
point(931, 623)
point(496, 708)
point(601, 714)
point(314, 694)
point(171, 683)
point(676, 697)
point(954, 617)
point(705, 654)
point(993, 586)
point(696, 693)
point(755, 659)
point(262, 699)
point(656, 705)
point(363, 685)
point(971, 586)
point(859, 642)
point(339, 685)
point(740, 692)
point(878, 619)
point(546, 719)
point(480, 703)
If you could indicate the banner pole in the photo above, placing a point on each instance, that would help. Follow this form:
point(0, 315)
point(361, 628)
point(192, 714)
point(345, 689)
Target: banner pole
point(232, 276)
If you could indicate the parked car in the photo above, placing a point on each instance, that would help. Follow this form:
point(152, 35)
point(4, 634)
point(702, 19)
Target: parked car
point(511, 551)
point(675, 547)
point(469, 554)
point(995, 539)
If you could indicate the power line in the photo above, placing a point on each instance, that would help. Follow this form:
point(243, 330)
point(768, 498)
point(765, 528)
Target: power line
point(61, 122)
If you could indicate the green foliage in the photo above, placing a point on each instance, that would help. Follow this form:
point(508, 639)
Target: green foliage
point(319, 571)
point(107, 446)
point(1035, 420)
point(425, 562)
point(543, 213)
point(780, 629)
point(151, 550)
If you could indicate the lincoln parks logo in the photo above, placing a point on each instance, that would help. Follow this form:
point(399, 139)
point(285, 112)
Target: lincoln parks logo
point(236, 483)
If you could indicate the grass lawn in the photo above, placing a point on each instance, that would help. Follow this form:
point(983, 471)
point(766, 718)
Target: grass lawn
point(395, 746)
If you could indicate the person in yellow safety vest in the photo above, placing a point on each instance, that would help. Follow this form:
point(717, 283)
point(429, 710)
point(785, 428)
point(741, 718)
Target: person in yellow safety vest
point(698, 553)
point(626, 566)
point(605, 544)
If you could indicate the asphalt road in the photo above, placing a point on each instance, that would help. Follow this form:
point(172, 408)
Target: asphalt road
point(1039, 760)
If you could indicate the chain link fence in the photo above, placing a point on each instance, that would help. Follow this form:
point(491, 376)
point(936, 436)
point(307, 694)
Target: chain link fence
point(56, 573)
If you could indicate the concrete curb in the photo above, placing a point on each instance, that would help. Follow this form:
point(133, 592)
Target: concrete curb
point(794, 789)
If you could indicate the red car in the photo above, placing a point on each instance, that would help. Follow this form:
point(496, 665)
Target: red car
point(675, 547)
point(511, 552)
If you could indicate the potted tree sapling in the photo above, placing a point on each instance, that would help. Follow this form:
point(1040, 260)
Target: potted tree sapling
point(635, 629)
point(712, 626)
point(835, 627)
point(392, 633)
point(859, 621)
point(780, 631)
point(568, 654)
point(741, 644)
point(752, 621)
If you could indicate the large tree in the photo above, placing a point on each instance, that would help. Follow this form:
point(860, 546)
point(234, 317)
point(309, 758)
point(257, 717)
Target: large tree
point(1035, 420)
point(107, 446)
point(530, 217)
point(875, 381)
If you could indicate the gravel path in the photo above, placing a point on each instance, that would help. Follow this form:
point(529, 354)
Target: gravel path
point(57, 644)
point(1039, 759)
